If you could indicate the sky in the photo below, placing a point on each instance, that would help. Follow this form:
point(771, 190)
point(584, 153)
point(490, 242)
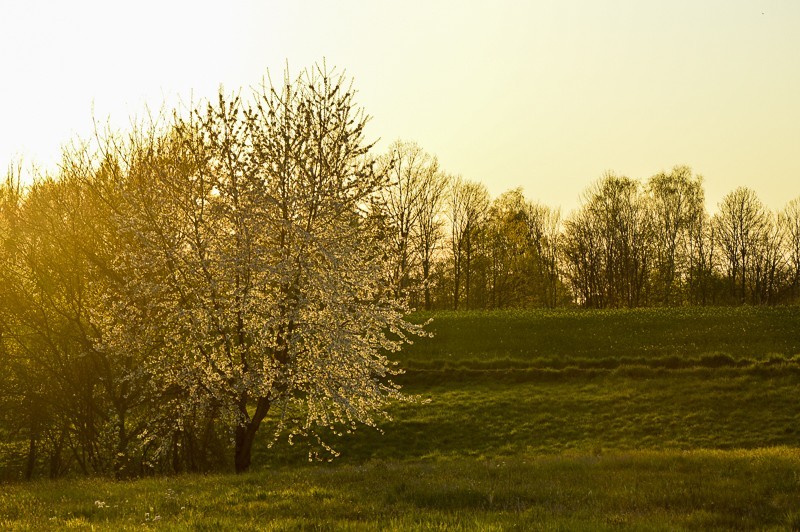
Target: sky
point(543, 95)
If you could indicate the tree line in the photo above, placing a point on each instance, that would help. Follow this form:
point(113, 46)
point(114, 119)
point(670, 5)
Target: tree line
point(630, 243)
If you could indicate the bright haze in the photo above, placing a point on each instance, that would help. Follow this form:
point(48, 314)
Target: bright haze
point(546, 95)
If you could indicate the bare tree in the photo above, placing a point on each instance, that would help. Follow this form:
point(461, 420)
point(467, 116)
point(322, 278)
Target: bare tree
point(412, 205)
point(701, 253)
point(740, 223)
point(676, 202)
point(429, 234)
point(769, 264)
point(467, 210)
point(583, 258)
point(789, 219)
point(544, 226)
point(608, 245)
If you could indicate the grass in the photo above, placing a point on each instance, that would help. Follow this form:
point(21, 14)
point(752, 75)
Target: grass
point(643, 489)
point(653, 419)
point(585, 413)
point(578, 333)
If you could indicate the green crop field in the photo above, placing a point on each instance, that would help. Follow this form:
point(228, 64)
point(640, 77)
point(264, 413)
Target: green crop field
point(653, 419)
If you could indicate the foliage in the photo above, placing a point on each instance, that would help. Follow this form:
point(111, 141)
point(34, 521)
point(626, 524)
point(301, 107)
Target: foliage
point(169, 290)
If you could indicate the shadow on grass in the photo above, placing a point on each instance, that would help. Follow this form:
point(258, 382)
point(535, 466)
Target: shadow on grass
point(613, 411)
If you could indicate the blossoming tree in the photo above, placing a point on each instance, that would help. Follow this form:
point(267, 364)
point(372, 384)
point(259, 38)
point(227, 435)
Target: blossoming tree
point(255, 254)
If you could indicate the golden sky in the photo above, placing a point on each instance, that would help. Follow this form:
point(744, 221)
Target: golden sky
point(546, 95)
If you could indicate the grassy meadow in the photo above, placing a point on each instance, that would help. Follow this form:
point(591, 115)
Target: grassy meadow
point(652, 419)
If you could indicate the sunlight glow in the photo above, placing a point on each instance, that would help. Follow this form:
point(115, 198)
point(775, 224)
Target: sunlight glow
point(543, 95)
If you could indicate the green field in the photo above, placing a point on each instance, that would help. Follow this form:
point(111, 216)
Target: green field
point(653, 419)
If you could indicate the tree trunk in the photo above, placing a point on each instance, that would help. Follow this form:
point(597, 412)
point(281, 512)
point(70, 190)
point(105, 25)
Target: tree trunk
point(120, 458)
point(456, 281)
point(55, 455)
point(426, 276)
point(246, 434)
point(31, 461)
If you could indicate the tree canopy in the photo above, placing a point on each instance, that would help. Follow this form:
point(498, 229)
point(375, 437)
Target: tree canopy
point(195, 279)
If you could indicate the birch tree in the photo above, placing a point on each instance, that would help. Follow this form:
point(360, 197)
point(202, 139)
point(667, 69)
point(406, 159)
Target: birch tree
point(414, 183)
